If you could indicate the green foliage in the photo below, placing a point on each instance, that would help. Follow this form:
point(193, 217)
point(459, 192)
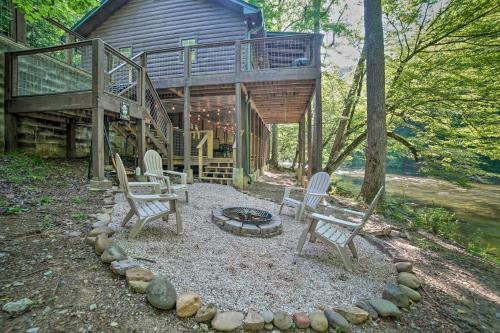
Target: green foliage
point(21, 168)
point(66, 11)
point(438, 221)
point(8, 209)
point(80, 216)
point(476, 247)
point(47, 223)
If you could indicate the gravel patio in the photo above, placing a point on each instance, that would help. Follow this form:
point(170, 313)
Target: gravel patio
point(239, 273)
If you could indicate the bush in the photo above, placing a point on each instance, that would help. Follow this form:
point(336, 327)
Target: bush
point(438, 221)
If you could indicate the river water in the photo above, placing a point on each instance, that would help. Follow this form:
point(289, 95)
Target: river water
point(477, 208)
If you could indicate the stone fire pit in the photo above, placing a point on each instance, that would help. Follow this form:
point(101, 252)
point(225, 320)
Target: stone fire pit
point(246, 221)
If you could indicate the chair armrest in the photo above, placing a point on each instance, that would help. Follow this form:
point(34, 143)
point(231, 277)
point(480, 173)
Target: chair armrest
point(333, 220)
point(153, 197)
point(155, 186)
point(183, 175)
point(154, 175)
point(318, 194)
point(288, 190)
point(344, 210)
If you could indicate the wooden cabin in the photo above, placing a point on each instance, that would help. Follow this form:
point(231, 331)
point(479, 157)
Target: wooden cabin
point(200, 81)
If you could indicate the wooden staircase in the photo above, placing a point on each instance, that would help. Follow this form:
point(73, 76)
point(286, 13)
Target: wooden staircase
point(218, 170)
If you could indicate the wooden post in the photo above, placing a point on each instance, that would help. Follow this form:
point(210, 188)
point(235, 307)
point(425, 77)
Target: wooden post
point(187, 130)
point(97, 110)
point(239, 163)
point(309, 139)
point(68, 56)
point(317, 147)
point(98, 143)
point(186, 113)
point(141, 143)
point(18, 26)
point(71, 138)
point(10, 131)
point(302, 147)
point(10, 120)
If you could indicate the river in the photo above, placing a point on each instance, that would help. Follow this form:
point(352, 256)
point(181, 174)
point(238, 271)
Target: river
point(477, 208)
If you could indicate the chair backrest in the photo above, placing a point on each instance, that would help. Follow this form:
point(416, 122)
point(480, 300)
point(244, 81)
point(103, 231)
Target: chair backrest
point(122, 175)
point(318, 184)
point(368, 213)
point(154, 165)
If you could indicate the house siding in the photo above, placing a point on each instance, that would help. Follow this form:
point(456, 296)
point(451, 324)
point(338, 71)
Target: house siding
point(153, 24)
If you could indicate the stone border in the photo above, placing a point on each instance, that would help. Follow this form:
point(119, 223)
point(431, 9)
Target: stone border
point(271, 229)
point(161, 294)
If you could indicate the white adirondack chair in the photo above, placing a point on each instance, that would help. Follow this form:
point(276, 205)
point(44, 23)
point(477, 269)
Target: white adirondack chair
point(336, 232)
point(147, 207)
point(315, 192)
point(155, 173)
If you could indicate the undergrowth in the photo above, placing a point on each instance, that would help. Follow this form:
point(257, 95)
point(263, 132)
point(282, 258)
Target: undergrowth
point(436, 220)
point(21, 168)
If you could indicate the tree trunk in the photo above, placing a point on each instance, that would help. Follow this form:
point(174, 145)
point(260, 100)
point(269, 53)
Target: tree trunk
point(376, 137)
point(274, 146)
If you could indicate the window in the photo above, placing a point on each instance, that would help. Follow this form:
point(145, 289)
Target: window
point(188, 42)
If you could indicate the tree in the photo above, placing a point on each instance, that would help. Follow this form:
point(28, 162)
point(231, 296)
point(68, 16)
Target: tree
point(65, 11)
point(376, 133)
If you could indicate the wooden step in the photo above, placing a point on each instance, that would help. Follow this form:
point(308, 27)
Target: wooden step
point(223, 181)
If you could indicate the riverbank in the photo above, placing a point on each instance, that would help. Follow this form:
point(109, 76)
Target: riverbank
point(477, 208)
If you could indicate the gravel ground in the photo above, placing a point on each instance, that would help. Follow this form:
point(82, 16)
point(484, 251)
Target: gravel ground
point(239, 273)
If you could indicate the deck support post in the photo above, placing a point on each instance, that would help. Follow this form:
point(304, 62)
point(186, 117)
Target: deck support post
point(98, 144)
point(98, 182)
point(309, 139)
point(71, 138)
point(238, 175)
point(187, 134)
point(317, 144)
point(141, 143)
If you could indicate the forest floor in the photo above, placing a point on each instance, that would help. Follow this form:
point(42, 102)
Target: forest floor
point(45, 210)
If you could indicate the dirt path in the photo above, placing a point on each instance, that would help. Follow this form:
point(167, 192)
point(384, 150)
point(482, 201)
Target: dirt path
point(43, 257)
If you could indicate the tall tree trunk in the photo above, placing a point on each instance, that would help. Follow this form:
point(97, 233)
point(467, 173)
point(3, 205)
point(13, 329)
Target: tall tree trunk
point(376, 136)
point(274, 146)
point(348, 109)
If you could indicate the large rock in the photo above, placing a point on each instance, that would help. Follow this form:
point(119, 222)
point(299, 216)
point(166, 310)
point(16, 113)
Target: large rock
point(301, 319)
point(17, 307)
point(395, 295)
point(188, 304)
point(161, 293)
point(102, 242)
point(253, 321)
point(122, 266)
point(206, 312)
point(353, 314)
point(412, 294)
point(404, 266)
point(385, 308)
point(138, 286)
point(268, 316)
point(319, 322)
point(282, 320)
point(365, 305)
point(101, 230)
point(409, 280)
point(227, 321)
point(336, 321)
point(113, 253)
point(139, 274)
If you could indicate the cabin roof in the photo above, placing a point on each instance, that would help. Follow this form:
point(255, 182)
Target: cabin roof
point(101, 13)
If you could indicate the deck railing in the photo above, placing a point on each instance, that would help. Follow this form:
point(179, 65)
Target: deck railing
point(70, 68)
point(52, 70)
point(232, 57)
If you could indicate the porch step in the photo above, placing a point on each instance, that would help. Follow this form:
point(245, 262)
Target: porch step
point(216, 180)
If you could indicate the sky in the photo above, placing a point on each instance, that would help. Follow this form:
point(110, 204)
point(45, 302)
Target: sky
point(343, 54)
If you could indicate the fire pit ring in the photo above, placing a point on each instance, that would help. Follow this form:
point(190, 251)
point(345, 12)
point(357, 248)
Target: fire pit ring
point(247, 215)
point(247, 221)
